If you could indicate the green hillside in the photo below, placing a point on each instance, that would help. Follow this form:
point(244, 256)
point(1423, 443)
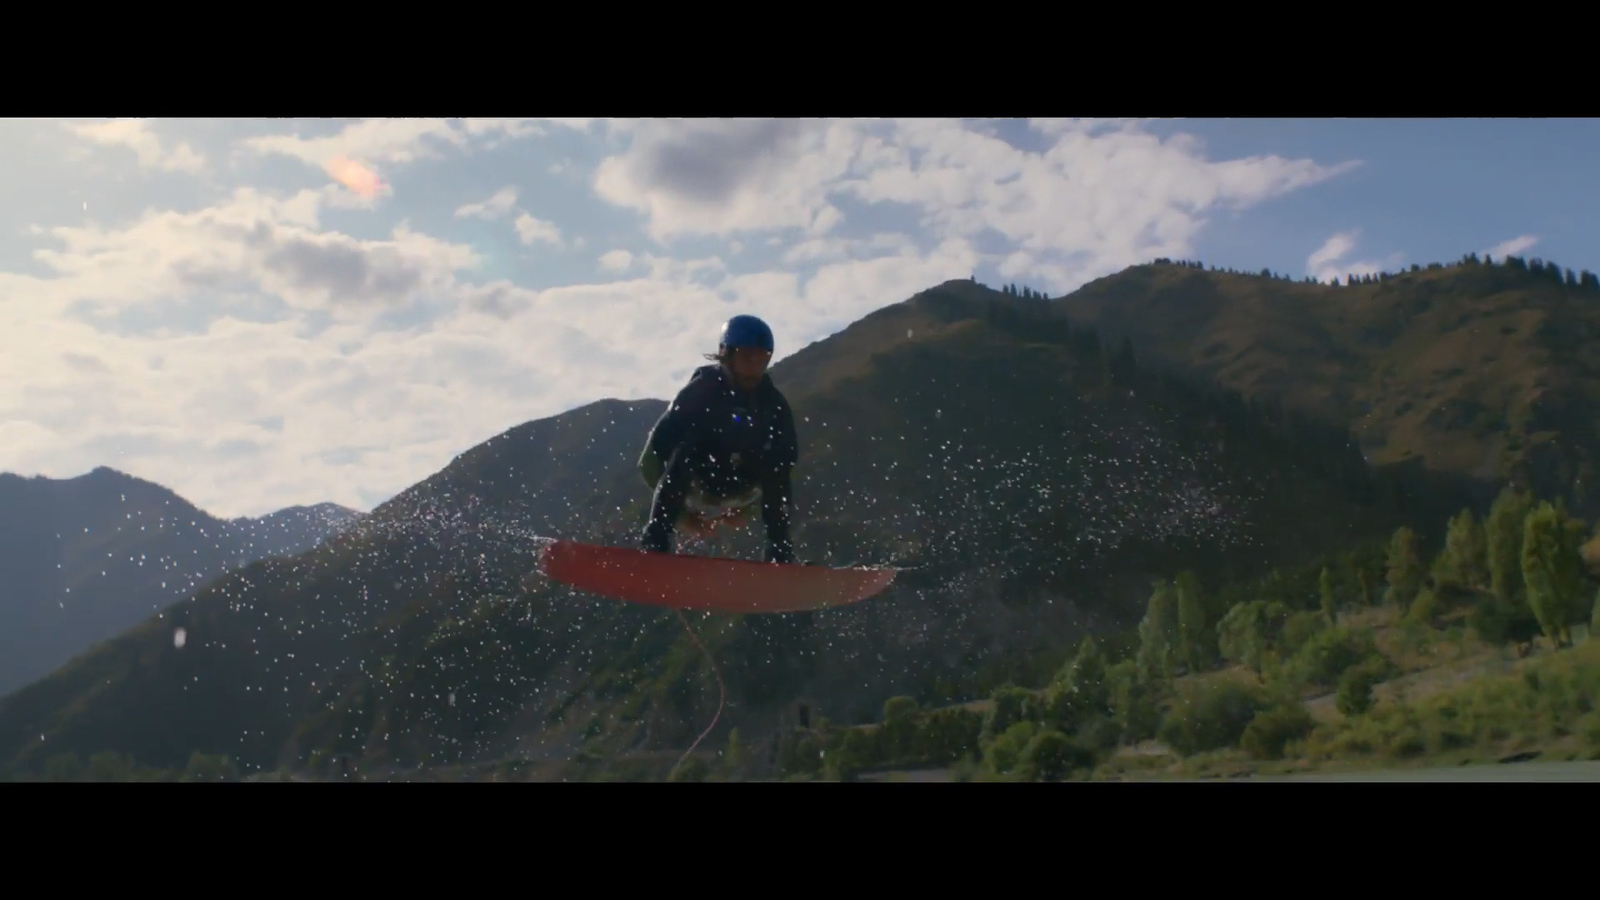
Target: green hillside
point(1484, 369)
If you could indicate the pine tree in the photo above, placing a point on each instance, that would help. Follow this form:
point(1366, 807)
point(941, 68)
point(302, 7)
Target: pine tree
point(1463, 563)
point(1405, 569)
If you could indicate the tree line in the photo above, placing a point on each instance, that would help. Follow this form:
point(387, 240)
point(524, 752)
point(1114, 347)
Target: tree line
point(1544, 269)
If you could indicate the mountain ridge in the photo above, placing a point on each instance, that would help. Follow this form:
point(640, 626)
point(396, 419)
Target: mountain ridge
point(84, 558)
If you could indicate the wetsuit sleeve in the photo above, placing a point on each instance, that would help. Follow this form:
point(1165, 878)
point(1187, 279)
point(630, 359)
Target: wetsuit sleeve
point(677, 424)
point(786, 446)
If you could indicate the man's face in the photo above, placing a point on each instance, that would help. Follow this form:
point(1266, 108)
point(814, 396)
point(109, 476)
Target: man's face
point(748, 364)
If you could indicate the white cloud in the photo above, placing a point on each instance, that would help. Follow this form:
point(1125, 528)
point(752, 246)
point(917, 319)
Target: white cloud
point(493, 208)
point(1512, 247)
point(250, 243)
point(1104, 195)
point(1330, 262)
point(531, 229)
point(147, 146)
point(1332, 250)
point(393, 141)
point(243, 349)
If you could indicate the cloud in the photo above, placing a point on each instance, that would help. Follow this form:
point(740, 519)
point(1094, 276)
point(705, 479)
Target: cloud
point(1512, 247)
point(393, 141)
point(242, 348)
point(616, 260)
point(1332, 250)
point(531, 230)
point(148, 148)
point(493, 208)
point(1101, 196)
point(249, 243)
point(717, 177)
point(1329, 263)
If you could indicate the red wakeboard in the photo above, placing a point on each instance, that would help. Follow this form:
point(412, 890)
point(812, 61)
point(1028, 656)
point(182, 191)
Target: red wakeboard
point(680, 581)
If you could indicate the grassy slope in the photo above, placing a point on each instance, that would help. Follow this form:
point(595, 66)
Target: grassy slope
point(1468, 367)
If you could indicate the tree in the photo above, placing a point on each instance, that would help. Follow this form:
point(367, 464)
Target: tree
point(1330, 601)
point(899, 730)
point(1405, 570)
point(1552, 571)
point(1249, 631)
point(1158, 635)
point(210, 767)
point(1133, 702)
point(1463, 563)
point(109, 766)
point(1503, 534)
point(1196, 644)
point(1084, 679)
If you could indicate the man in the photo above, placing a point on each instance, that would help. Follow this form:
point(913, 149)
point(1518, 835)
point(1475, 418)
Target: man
point(728, 434)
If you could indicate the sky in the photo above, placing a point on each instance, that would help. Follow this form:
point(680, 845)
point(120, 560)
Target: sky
point(262, 313)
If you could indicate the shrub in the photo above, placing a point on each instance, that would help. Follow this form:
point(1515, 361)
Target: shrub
point(1355, 687)
point(1301, 628)
point(1270, 731)
point(1052, 756)
point(1002, 754)
point(945, 735)
point(1011, 705)
point(1330, 653)
point(1210, 716)
point(1496, 621)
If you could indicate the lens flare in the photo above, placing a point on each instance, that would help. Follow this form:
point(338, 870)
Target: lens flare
point(355, 176)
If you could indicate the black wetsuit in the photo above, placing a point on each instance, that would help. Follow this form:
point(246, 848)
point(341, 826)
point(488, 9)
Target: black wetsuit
point(727, 441)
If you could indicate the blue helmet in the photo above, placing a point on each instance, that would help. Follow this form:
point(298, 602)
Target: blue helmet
point(746, 331)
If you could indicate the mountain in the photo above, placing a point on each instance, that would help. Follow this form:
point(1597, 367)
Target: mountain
point(294, 529)
point(1489, 370)
point(82, 559)
point(1033, 482)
